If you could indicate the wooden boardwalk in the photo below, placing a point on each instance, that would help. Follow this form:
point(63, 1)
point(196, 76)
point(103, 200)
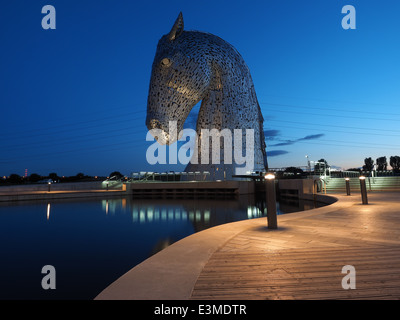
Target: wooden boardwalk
point(303, 259)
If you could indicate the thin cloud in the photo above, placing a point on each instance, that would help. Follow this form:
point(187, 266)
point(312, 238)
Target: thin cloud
point(276, 153)
point(290, 142)
point(312, 137)
point(271, 134)
point(281, 144)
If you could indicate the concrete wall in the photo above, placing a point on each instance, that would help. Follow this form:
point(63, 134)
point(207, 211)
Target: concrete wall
point(295, 187)
point(320, 198)
point(61, 191)
point(240, 187)
point(71, 186)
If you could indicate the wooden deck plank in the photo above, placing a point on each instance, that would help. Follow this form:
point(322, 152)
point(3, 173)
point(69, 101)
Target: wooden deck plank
point(303, 260)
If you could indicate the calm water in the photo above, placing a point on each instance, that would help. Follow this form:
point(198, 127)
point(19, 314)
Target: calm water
point(92, 243)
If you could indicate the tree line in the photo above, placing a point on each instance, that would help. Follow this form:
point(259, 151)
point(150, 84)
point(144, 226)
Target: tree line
point(54, 177)
point(382, 164)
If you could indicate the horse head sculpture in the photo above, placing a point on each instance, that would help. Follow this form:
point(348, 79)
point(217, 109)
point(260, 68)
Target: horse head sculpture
point(193, 66)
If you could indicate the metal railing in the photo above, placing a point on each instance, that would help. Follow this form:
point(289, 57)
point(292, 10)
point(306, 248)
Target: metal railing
point(345, 174)
point(170, 176)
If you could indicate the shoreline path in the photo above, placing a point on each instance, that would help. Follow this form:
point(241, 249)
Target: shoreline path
point(302, 259)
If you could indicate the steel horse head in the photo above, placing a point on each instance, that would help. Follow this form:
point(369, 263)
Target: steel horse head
point(193, 66)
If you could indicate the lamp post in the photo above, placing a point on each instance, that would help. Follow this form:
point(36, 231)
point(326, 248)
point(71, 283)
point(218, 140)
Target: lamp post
point(323, 184)
point(347, 186)
point(363, 187)
point(49, 183)
point(271, 201)
point(308, 165)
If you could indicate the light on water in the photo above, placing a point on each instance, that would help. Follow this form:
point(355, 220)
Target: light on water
point(93, 242)
point(48, 211)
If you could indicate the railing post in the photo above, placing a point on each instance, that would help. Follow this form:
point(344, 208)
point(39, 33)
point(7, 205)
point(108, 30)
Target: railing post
point(347, 186)
point(363, 187)
point(271, 201)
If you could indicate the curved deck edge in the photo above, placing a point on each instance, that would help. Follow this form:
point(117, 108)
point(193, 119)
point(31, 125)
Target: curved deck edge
point(172, 273)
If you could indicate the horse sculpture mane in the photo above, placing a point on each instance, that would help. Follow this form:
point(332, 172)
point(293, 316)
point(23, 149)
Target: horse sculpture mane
point(193, 66)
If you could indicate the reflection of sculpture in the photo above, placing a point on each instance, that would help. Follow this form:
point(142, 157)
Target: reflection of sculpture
point(190, 66)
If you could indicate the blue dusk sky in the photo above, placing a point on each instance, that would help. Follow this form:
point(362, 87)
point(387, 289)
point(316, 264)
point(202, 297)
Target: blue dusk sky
point(74, 99)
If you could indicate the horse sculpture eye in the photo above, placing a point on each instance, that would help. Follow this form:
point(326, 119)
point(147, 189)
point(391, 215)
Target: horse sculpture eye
point(166, 62)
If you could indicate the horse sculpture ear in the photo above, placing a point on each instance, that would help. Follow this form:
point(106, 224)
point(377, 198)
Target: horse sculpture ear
point(177, 29)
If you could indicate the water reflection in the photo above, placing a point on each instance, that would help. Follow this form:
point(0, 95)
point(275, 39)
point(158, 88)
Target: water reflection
point(161, 244)
point(92, 242)
point(48, 211)
point(200, 213)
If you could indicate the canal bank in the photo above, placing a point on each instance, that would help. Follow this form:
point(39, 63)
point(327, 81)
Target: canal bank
point(172, 273)
point(60, 191)
point(302, 189)
point(93, 241)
